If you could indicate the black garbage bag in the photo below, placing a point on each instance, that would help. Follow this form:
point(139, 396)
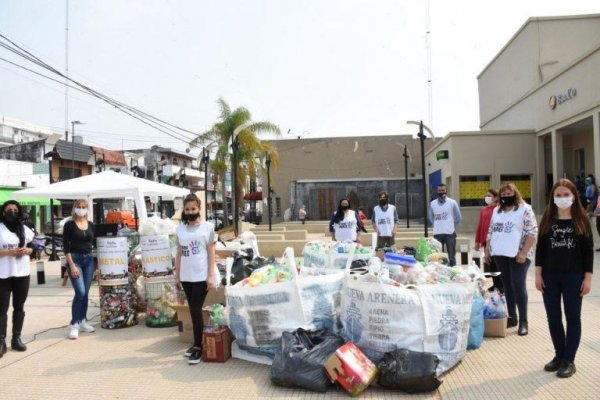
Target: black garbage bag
point(244, 265)
point(410, 251)
point(303, 354)
point(409, 371)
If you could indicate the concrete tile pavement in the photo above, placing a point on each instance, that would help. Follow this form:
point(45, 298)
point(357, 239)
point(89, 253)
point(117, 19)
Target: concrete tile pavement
point(141, 362)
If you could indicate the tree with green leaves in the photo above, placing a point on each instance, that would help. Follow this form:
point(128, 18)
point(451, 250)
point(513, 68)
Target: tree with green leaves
point(251, 150)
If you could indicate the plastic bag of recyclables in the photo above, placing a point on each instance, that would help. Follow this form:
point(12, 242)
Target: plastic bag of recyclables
point(402, 303)
point(334, 255)
point(275, 299)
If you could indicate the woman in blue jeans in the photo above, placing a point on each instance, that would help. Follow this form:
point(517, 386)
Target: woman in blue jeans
point(78, 235)
point(563, 271)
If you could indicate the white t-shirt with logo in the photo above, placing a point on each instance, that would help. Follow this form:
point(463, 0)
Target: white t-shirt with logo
point(193, 240)
point(507, 230)
point(13, 266)
point(385, 220)
point(345, 230)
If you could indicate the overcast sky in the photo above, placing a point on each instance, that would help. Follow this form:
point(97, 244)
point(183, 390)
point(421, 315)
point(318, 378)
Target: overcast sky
point(314, 67)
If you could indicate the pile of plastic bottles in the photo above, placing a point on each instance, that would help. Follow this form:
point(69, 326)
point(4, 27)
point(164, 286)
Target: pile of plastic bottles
point(494, 306)
point(272, 273)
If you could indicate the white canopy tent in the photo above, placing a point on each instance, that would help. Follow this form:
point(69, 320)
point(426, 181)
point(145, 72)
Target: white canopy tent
point(107, 184)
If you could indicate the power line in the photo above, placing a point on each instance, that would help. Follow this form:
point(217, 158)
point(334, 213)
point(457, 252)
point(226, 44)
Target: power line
point(133, 112)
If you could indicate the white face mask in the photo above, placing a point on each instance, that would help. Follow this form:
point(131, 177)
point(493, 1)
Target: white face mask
point(488, 200)
point(81, 212)
point(563, 202)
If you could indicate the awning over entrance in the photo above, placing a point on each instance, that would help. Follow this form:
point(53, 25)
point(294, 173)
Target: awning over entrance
point(6, 194)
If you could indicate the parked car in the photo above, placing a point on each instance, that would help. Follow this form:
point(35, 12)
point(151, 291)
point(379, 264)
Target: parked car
point(59, 224)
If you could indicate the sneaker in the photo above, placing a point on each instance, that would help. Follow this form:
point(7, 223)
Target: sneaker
point(188, 352)
point(74, 331)
point(195, 357)
point(85, 327)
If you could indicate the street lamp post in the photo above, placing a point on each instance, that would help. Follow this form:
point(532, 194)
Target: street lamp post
point(205, 159)
point(406, 156)
point(53, 255)
point(268, 164)
point(73, 123)
point(422, 138)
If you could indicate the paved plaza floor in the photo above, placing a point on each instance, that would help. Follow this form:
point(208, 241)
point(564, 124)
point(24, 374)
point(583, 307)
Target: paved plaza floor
point(147, 363)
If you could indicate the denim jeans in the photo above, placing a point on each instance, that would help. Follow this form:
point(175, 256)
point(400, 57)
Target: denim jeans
point(449, 242)
point(568, 286)
point(514, 279)
point(81, 285)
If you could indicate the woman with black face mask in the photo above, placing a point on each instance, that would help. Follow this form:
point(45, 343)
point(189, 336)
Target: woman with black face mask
point(195, 266)
point(345, 224)
point(15, 249)
point(510, 240)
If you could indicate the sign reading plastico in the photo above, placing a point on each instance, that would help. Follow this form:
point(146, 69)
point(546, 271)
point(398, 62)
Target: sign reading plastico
point(112, 261)
point(156, 256)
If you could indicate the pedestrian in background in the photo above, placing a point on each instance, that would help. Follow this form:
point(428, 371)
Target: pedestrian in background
point(445, 215)
point(302, 214)
point(78, 237)
point(345, 224)
point(384, 221)
point(564, 261)
point(485, 217)
point(510, 241)
point(15, 249)
point(195, 267)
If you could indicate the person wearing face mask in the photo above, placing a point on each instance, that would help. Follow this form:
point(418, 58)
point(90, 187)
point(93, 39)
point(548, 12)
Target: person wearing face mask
point(78, 239)
point(195, 267)
point(345, 224)
point(15, 249)
point(384, 221)
point(485, 217)
point(445, 215)
point(564, 261)
point(510, 240)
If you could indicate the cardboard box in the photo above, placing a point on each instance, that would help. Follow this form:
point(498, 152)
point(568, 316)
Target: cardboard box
point(495, 327)
point(350, 368)
point(184, 319)
point(216, 345)
point(184, 323)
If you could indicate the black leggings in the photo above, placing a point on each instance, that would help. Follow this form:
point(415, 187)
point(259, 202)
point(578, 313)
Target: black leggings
point(514, 278)
point(19, 286)
point(196, 293)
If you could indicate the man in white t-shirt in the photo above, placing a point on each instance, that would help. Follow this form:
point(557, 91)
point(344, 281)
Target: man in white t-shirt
point(445, 216)
point(384, 220)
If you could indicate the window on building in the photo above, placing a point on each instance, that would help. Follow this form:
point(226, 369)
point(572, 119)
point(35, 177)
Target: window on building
point(522, 182)
point(472, 190)
point(278, 206)
point(65, 173)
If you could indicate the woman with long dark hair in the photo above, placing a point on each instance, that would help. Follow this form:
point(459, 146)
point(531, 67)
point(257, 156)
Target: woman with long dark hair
point(563, 271)
point(195, 266)
point(345, 224)
point(15, 249)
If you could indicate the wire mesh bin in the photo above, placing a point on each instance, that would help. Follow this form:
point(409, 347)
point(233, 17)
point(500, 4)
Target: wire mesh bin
point(117, 306)
point(160, 293)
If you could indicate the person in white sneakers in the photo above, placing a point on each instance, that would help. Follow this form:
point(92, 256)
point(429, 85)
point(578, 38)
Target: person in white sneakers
point(78, 236)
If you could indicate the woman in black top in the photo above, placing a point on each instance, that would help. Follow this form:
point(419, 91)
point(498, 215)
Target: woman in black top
point(563, 268)
point(78, 236)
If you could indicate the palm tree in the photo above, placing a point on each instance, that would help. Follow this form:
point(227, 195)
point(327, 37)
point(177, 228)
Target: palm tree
point(250, 148)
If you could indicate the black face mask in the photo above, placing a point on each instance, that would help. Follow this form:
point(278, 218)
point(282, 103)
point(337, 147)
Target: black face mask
point(508, 200)
point(442, 195)
point(192, 217)
point(344, 208)
point(10, 216)
point(383, 202)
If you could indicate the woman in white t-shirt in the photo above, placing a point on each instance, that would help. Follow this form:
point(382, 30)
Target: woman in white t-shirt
point(345, 224)
point(15, 249)
point(195, 266)
point(510, 240)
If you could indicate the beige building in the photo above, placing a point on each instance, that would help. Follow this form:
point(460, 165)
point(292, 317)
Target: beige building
point(318, 172)
point(539, 116)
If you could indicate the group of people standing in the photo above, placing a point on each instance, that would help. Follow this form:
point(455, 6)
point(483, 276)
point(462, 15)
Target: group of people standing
point(195, 253)
point(562, 249)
